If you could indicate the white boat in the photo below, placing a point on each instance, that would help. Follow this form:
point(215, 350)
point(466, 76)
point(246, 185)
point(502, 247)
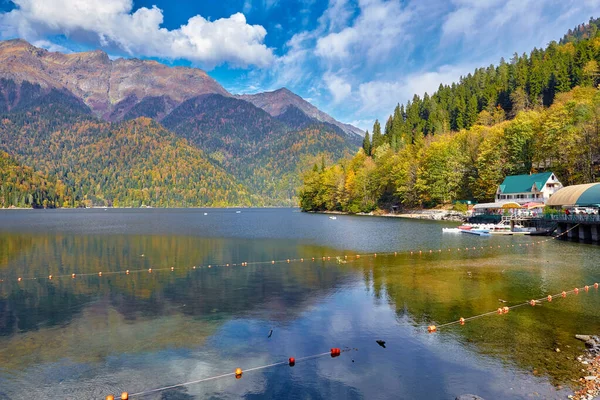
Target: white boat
point(332, 217)
point(478, 232)
point(238, 212)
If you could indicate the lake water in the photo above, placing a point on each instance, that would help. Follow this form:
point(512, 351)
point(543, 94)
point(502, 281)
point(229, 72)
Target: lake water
point(91, 336)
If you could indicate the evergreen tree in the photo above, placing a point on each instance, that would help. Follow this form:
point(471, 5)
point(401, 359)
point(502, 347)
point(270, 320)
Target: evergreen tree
point(366, 145)
point(377, 136)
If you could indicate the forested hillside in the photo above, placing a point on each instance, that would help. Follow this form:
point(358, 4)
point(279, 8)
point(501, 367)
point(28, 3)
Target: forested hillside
point(21, 186)
point(538, 112)
point(132, 163)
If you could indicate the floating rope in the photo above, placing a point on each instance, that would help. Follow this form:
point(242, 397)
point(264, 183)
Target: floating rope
point(334, 352)
point(505, 310)
point(340, 259)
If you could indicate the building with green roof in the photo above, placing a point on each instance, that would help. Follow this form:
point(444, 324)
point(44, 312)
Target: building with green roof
point(528, 188)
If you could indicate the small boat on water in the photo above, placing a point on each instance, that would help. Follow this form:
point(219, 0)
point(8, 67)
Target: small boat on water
point(478, 232)
point(332, 217)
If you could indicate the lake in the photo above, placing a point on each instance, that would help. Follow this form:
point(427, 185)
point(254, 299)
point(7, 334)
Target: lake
point(90, 336)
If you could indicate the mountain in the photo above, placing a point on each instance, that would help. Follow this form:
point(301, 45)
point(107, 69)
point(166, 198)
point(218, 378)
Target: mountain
point(278, 101)
point(102, 84)
point(261, 151)
point(121, 164)
point(75, 117)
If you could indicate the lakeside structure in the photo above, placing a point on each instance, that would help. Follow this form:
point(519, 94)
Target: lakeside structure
point(583, 224)
point(523, 189)
point(519, 194)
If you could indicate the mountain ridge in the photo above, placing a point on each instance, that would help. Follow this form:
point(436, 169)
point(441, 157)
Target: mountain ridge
point(112, 88)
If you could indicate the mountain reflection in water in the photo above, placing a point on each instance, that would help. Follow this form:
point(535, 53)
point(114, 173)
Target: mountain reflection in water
point(91, 336)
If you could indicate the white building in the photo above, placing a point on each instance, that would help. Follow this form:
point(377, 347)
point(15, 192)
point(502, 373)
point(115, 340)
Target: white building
point(528, 188)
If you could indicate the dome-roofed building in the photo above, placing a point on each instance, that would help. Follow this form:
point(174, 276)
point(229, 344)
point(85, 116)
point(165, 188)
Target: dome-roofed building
point(587, 195)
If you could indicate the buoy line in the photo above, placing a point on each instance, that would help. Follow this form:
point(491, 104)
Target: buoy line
point(338, 258)
point(505, 310)
point(237, 373)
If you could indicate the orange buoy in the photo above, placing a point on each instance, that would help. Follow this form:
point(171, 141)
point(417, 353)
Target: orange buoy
point(576, 290)
point(73, 276)
point(532, 303)
point(19, 279)
point(50, 277)
point(549, 298)
point(563, 294)
point(586, 287)
point(127, 272)
point(335, 352)
point(596, 285)
point(461, 321)
point(99, 273)
point(505, 309)
point(431, 328)
point(124, 396)
point(292, 361)
point(238, 373)
point(149, 270)
point(110, 397)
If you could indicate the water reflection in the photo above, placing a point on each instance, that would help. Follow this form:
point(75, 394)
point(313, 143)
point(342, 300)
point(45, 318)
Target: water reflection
point(90, 336)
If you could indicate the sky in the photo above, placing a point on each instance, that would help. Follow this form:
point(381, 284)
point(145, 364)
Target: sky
point(354, 59)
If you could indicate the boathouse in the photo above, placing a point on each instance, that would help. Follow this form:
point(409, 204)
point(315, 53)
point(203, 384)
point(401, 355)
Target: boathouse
point(523, 189)
point(584, 225)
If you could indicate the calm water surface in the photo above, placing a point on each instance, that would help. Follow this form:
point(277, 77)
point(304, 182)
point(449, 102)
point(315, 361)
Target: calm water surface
point(88, 337)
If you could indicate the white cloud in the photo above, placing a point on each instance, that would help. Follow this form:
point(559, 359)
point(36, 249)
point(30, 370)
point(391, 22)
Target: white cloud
point(209, 43)
point(338, 87)
point(379, 97)
point(373, 34)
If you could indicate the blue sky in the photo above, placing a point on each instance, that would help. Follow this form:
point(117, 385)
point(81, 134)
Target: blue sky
point(354, 59)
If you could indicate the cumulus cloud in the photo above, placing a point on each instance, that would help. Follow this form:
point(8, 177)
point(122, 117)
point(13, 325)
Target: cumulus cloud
point(381, 96)
point(113, 24)
point(338, 87)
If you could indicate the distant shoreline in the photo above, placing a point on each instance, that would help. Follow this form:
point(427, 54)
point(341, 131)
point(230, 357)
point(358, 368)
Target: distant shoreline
point(430, 215)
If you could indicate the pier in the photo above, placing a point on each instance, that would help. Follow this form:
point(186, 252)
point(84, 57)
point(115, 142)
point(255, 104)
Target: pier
point(588, 226)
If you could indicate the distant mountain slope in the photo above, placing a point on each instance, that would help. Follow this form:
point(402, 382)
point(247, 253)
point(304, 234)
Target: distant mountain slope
point(55, 108)
point(278, 101)
point(112, 88)
point(100, 82)
point(21, 186)
point(125, 164)
point(261, 151)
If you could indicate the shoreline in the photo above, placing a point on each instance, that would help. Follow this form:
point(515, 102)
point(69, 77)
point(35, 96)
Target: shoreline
point(430, 215)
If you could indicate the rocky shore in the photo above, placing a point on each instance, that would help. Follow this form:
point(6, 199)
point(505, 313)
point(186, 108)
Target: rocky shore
point(434, 215)
point(590, 361)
